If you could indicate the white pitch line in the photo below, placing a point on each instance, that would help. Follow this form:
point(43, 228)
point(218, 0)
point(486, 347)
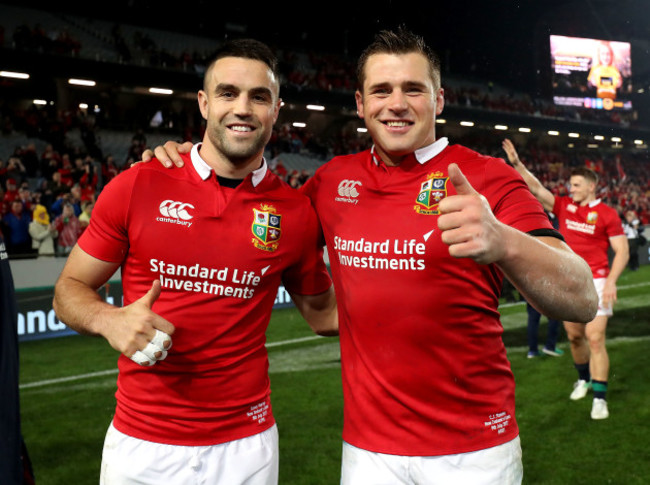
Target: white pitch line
point(109, 372)
point(68, 379)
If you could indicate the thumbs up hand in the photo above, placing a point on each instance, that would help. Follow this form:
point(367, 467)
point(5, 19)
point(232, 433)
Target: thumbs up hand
point(138, 332)
point(467, 223)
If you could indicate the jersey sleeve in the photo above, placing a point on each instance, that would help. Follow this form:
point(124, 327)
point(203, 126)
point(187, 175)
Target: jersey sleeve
point(309, 275)
point(106, 237)
point(511, 200)
point(614, 225)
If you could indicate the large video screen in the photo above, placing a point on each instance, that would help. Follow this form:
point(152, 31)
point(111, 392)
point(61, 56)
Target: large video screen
point(591, 73)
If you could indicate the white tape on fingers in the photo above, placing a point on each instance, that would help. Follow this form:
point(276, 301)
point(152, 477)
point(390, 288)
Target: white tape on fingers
point(140, 358)
point(160, 339)
point(163, 356)
point(151, 350)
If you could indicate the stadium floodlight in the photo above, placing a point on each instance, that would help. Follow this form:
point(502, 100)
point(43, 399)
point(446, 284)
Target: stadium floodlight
point(442, 121)
point(553, 132)
point(362, 130)
point(83, 105)
point(574, 135)
point(524, 129)
point(14, 75)
point(297, 124)
point(638, 142)
point(316, 107)
point(40, 101)
point(466, 123)
point(616, 139)
point(81, 82)
point(592, 145)
point(500, 127)
point(599, 137)
point(161, 91)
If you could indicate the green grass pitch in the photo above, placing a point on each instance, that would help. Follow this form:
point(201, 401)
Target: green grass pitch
point(68, 385)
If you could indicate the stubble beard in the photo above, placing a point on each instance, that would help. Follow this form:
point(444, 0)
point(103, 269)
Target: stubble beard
point(237, 152)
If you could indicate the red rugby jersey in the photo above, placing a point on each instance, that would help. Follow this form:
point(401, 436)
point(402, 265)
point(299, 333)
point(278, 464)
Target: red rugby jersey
point(587, 230)
point(220, 261)
point(424, 366)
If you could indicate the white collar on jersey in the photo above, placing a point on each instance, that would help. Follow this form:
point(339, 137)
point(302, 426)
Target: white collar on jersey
point(594, 203)
point(203, 169)
point(423, 155)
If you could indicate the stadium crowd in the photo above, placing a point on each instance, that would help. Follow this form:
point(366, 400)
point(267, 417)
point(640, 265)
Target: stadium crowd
point(47, 197)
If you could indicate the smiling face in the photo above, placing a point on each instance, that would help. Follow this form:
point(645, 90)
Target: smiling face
point(399, 103)
point(582, 190)
point(240, 104)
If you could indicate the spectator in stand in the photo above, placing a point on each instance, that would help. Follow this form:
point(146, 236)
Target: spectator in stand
point(69, 229)
point(11, 192)
point(634, 232)
point(16, 170)
point(42, 232)
point(16, 229)
point(49, 162)
point(66, 170)
point(73, 197)
point(87, 209)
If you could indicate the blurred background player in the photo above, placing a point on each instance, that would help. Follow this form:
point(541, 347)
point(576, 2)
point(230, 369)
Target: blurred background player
point(428, 390)
point(590, 227)
point(217, 239)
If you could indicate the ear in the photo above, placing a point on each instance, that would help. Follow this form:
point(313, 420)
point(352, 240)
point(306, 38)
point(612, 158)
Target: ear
point(277, 110)
point(359, 99)
point(202, 98)
point(440, 101)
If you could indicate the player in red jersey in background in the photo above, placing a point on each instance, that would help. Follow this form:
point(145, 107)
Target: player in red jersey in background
point(216, 239)
point(590, 227)
point(420, 234)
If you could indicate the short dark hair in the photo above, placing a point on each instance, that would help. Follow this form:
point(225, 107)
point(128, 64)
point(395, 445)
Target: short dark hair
point(588, 174)
point(247, 49)
point(401, 41)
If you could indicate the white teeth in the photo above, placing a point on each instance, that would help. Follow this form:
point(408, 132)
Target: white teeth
point(396, 123)
point(241, 128)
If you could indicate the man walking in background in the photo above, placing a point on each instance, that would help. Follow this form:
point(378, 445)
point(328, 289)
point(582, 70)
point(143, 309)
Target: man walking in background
point(590, 227)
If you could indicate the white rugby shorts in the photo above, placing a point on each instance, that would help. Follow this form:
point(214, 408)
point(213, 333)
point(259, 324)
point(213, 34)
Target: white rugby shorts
point(128, 461)
point(599, 283)
point(499, 465)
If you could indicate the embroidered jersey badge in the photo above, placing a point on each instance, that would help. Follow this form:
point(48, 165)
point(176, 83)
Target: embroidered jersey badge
point(592, 217)
point(266, 228)
point(432, 191)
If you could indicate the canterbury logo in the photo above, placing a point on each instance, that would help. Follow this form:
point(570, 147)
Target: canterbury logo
point(175, 212)
point(348, 188)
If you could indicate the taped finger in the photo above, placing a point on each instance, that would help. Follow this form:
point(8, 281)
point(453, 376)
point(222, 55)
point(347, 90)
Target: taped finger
point(162, 340)
point(141, 358)
point(151, 350)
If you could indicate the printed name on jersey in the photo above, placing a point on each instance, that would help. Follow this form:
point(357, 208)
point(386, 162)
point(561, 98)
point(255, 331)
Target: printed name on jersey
point(174, 212)
point(498, 422)
point(266, 228)
point(432, 191)
point(348, 191)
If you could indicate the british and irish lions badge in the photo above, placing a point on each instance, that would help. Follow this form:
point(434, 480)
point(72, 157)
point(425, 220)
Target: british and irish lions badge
point(432, 191)
point(266, 228)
